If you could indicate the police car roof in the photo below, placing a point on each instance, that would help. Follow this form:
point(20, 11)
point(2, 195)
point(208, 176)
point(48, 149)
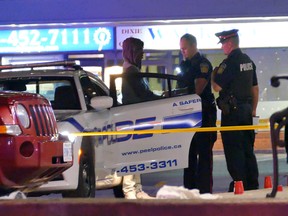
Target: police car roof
point(42, 73)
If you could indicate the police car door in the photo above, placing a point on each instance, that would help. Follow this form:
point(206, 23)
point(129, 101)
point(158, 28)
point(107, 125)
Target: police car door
point(145, 152)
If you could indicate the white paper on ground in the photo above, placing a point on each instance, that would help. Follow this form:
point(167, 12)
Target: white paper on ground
point(175, 192)
point(14, 195)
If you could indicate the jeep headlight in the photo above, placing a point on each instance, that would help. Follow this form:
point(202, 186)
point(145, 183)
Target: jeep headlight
point(10, 130)
point(23, 116)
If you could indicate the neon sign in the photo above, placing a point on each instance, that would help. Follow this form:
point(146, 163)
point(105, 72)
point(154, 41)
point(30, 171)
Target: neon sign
point(57, 40)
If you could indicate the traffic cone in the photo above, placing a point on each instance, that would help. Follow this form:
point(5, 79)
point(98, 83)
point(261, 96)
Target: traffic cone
point(238, 187)
point(279, 188)
point(267, 182)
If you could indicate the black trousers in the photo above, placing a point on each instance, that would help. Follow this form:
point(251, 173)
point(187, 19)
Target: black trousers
point(239, 148)
point(286, 141)
point(198, 175)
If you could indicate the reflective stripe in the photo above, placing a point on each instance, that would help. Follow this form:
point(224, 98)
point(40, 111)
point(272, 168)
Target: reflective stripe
point(76, 124)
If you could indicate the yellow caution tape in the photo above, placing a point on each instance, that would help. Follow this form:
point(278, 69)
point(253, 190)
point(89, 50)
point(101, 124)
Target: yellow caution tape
point(261, 121)
point(185, 130)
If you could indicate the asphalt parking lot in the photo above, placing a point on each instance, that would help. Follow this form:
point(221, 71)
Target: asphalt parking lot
point(152, 182)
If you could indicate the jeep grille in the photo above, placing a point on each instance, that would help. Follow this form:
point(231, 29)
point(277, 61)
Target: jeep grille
point(43, 119)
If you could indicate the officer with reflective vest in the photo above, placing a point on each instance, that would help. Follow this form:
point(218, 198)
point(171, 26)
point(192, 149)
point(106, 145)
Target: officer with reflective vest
point(236, 81)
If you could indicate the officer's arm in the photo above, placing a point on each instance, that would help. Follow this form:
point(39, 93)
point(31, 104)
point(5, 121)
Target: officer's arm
point(200, 84)
point(215, 86)
point(255, 96)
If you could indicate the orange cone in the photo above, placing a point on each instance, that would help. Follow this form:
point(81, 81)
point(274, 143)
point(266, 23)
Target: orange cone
point(279, 188)
point(267, 182)
point(238, 187)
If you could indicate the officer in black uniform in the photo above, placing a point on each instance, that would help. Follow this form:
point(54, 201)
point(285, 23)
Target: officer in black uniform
point(196, 77)
point(236, 81)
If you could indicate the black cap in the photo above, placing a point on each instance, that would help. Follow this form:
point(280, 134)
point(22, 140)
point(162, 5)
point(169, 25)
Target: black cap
point(226, 34)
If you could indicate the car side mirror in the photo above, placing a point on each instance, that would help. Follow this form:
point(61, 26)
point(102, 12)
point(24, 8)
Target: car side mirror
point(101, 102)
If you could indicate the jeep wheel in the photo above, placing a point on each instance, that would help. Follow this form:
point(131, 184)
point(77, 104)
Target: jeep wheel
point(86, 180)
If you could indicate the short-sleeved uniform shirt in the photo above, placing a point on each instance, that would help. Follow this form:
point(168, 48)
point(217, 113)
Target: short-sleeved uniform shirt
point(197, 67)
point(236, 75)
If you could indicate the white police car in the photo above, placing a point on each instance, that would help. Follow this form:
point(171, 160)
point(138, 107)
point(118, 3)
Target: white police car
point(82, 104)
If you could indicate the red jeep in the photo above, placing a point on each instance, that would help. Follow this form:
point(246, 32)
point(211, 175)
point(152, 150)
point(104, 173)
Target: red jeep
point(31, 150)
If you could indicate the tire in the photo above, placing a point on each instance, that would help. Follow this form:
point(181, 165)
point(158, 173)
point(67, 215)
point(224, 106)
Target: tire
point(118, 191)
point(86, 179)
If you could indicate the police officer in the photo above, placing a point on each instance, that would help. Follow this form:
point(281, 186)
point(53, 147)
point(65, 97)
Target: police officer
point(236, 81)
point(196, 77)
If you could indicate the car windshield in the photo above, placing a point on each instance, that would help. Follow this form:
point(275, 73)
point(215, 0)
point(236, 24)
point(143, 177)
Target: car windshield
point(61, 92)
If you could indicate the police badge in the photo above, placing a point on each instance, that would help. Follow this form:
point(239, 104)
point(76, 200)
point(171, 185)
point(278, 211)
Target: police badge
point(204, 67)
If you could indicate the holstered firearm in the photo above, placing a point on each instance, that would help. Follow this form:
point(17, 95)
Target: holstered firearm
point(227, 104)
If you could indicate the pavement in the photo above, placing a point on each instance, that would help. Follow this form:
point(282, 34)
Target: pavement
point(248, 203)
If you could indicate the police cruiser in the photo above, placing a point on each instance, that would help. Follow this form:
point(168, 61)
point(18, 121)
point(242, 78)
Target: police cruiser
point(110, 139)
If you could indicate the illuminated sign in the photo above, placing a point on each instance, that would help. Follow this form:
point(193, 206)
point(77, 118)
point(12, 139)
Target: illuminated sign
point(56, 40)
point(167, 37)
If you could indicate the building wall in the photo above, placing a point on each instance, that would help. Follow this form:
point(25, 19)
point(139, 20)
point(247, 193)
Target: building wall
point(58, 11)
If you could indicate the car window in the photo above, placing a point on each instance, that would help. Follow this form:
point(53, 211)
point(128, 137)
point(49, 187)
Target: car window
point(91, 86)
point(99, 85)
point(60, 92)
